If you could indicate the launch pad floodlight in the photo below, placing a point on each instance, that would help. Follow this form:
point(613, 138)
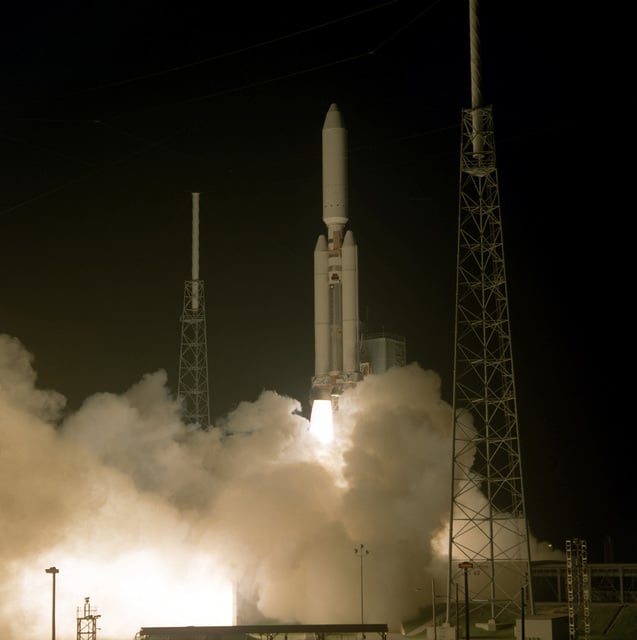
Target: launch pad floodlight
point(466, 566)
point(53, 571)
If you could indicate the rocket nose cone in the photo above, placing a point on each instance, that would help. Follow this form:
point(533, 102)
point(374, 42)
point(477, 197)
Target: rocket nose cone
point(333, 118)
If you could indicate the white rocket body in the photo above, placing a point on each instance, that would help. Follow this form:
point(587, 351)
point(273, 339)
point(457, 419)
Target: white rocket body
point(336, 322)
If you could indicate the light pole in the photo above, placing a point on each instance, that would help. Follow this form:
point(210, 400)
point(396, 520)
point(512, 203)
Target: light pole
point(433, 607)
point(466, 566)
point(457, 619)
point(362, 552)
point(53, 571)
point(522, 613)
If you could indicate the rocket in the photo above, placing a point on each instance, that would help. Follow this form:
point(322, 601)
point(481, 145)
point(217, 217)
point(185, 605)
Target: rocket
point(336, 322)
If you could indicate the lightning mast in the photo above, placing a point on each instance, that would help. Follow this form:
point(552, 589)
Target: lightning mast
point(192, 390)
point(488, 529)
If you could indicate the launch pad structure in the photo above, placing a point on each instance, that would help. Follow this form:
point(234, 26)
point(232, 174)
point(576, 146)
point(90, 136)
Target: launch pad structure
point(489, 550)
point(579, 589)
point(265, 632)
point(193, 389)
point(87, 621)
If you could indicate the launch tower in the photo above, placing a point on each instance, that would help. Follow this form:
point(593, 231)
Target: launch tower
point(192, 390)
point(489, 551)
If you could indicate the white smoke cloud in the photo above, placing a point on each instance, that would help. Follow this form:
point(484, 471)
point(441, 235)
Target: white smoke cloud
point(17, 383)
point(153, 521)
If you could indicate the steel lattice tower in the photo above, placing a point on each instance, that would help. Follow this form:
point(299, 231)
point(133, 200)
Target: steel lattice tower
point(579, 591)
point(192, 391)
point(87, 622)
point(488, 532)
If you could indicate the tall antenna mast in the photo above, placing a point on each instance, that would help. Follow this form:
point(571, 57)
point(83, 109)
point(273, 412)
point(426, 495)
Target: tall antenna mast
point(195, 251)
point(489, 551)
point(192, 391)
point(476, 79)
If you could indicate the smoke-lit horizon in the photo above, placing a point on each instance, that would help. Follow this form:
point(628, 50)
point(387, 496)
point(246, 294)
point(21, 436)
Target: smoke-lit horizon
point(154, 522)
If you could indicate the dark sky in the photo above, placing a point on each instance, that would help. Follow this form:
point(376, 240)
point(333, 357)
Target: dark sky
point(114, 112)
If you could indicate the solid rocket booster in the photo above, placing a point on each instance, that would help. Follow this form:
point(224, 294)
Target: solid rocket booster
point(336, 323)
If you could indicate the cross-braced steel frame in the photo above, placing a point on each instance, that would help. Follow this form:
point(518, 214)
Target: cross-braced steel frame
point(192, 390)
point(488, 524)
point(87, 622)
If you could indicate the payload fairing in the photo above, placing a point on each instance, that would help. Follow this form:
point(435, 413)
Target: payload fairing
point(336, 322)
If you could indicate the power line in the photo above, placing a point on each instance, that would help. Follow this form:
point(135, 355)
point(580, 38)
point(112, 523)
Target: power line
point(221, 56)
point(146, 147)
point(90, 174)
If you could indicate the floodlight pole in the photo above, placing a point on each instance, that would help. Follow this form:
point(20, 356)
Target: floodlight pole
point(466, 566)
point(362, 552)
point(53, 571)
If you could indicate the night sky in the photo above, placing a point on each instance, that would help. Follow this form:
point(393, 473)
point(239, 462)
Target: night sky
point(114, 112)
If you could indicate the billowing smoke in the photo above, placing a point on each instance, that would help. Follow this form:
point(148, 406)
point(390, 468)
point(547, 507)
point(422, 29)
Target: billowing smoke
point(158, 524)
